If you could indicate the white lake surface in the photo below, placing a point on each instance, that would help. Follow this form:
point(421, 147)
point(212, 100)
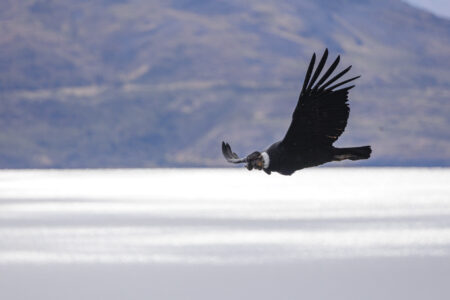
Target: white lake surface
point(339, 233)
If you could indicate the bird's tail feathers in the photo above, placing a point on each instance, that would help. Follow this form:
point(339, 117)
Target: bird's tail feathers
point(354, 153)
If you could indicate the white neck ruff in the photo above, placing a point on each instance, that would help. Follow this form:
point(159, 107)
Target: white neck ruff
point(266, 159)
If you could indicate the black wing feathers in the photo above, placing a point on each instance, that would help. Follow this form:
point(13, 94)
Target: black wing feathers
point(321, 114)
point(308, 73)
point(328, 73)
point(319, 68)
point(335, 78)
point(342, 83)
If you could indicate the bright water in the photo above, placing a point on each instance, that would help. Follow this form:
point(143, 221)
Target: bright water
point(211, 220)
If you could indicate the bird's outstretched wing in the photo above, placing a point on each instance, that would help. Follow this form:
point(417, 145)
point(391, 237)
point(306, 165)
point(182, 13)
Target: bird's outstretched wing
point(230, 156)
point(322, 111)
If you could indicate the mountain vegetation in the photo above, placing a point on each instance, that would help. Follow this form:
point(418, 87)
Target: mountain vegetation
point(90, 84)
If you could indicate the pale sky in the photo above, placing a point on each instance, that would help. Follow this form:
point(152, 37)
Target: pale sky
point(438, 7)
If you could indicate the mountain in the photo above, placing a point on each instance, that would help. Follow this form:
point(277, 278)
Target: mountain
point(162, 83)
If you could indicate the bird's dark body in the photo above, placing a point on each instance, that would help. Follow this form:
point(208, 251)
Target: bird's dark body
point(286, 161)
point(318, 120)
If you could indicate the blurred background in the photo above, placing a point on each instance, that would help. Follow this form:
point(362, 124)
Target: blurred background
point(93, 84)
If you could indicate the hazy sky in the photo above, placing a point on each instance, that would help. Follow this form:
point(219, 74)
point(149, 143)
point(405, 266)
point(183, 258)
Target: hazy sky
point(438, 7)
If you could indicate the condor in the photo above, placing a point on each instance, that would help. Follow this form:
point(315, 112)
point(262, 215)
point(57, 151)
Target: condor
point(318, 120)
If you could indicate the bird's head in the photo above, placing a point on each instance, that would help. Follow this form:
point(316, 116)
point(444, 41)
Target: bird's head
point(255, 161)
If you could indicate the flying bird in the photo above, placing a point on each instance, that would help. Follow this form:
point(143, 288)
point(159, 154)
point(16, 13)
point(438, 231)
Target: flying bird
point(319, 118)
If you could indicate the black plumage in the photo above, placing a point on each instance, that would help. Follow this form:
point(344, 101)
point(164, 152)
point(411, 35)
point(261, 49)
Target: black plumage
point(319, 118)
